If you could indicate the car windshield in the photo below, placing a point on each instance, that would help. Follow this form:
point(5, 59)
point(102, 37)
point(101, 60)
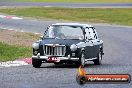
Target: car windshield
point(64, 32)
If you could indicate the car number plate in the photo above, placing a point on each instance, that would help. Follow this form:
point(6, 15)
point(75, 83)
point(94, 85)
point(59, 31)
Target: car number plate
point(53, 59)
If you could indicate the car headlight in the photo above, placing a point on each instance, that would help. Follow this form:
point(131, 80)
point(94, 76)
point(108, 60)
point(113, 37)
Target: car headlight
point(73, 47)
point(35, 45)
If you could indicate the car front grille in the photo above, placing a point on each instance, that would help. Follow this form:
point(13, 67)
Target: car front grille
point(54, 50)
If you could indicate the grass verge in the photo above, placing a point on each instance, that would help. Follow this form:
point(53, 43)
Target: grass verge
point(12, 52)
point(91, 1)
point(121, 16)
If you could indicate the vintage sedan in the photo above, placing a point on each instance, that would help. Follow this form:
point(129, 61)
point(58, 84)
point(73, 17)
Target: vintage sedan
point(68, 43)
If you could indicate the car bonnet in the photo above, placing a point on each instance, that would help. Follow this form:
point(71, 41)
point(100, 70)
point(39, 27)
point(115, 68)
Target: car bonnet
point(66, 42)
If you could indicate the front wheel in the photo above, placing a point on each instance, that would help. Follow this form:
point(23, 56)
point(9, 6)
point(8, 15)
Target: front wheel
point(98, 60)
point(81, 61)
point(36, 63)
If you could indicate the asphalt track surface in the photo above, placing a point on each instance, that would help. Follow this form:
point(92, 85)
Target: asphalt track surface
point(66, 5)
point(117, 49)
point(117, 59)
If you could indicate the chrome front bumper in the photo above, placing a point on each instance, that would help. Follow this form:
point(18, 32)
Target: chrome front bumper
point(61, 58)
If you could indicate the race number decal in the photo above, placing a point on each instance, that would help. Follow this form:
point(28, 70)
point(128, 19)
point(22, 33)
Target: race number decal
point(53, 59)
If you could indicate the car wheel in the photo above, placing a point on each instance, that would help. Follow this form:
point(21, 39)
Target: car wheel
point(98, 60)
point(81, 60)
point(36, 63)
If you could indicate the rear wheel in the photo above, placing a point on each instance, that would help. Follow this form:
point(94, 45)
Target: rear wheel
point(98, 60)
point(36, 63)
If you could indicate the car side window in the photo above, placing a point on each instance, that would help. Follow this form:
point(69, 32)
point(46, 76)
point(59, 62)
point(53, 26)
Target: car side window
point(95, 35)
point(87, 34)
point(91, 33)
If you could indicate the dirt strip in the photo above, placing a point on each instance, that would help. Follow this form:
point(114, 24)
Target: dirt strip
point(12, 37)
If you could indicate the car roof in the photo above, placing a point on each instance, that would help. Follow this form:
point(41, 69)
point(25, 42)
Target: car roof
point(73, 24)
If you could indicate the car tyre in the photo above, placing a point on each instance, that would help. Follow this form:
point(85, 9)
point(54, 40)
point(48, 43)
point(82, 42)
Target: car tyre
point(36, 63)
point(98, 60)
point(81, 61)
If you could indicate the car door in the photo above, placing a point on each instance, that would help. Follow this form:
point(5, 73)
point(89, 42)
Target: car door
point(88, 44)
point(96, 42)
point(92, 43)
point(89, 49)
point(96, 47)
